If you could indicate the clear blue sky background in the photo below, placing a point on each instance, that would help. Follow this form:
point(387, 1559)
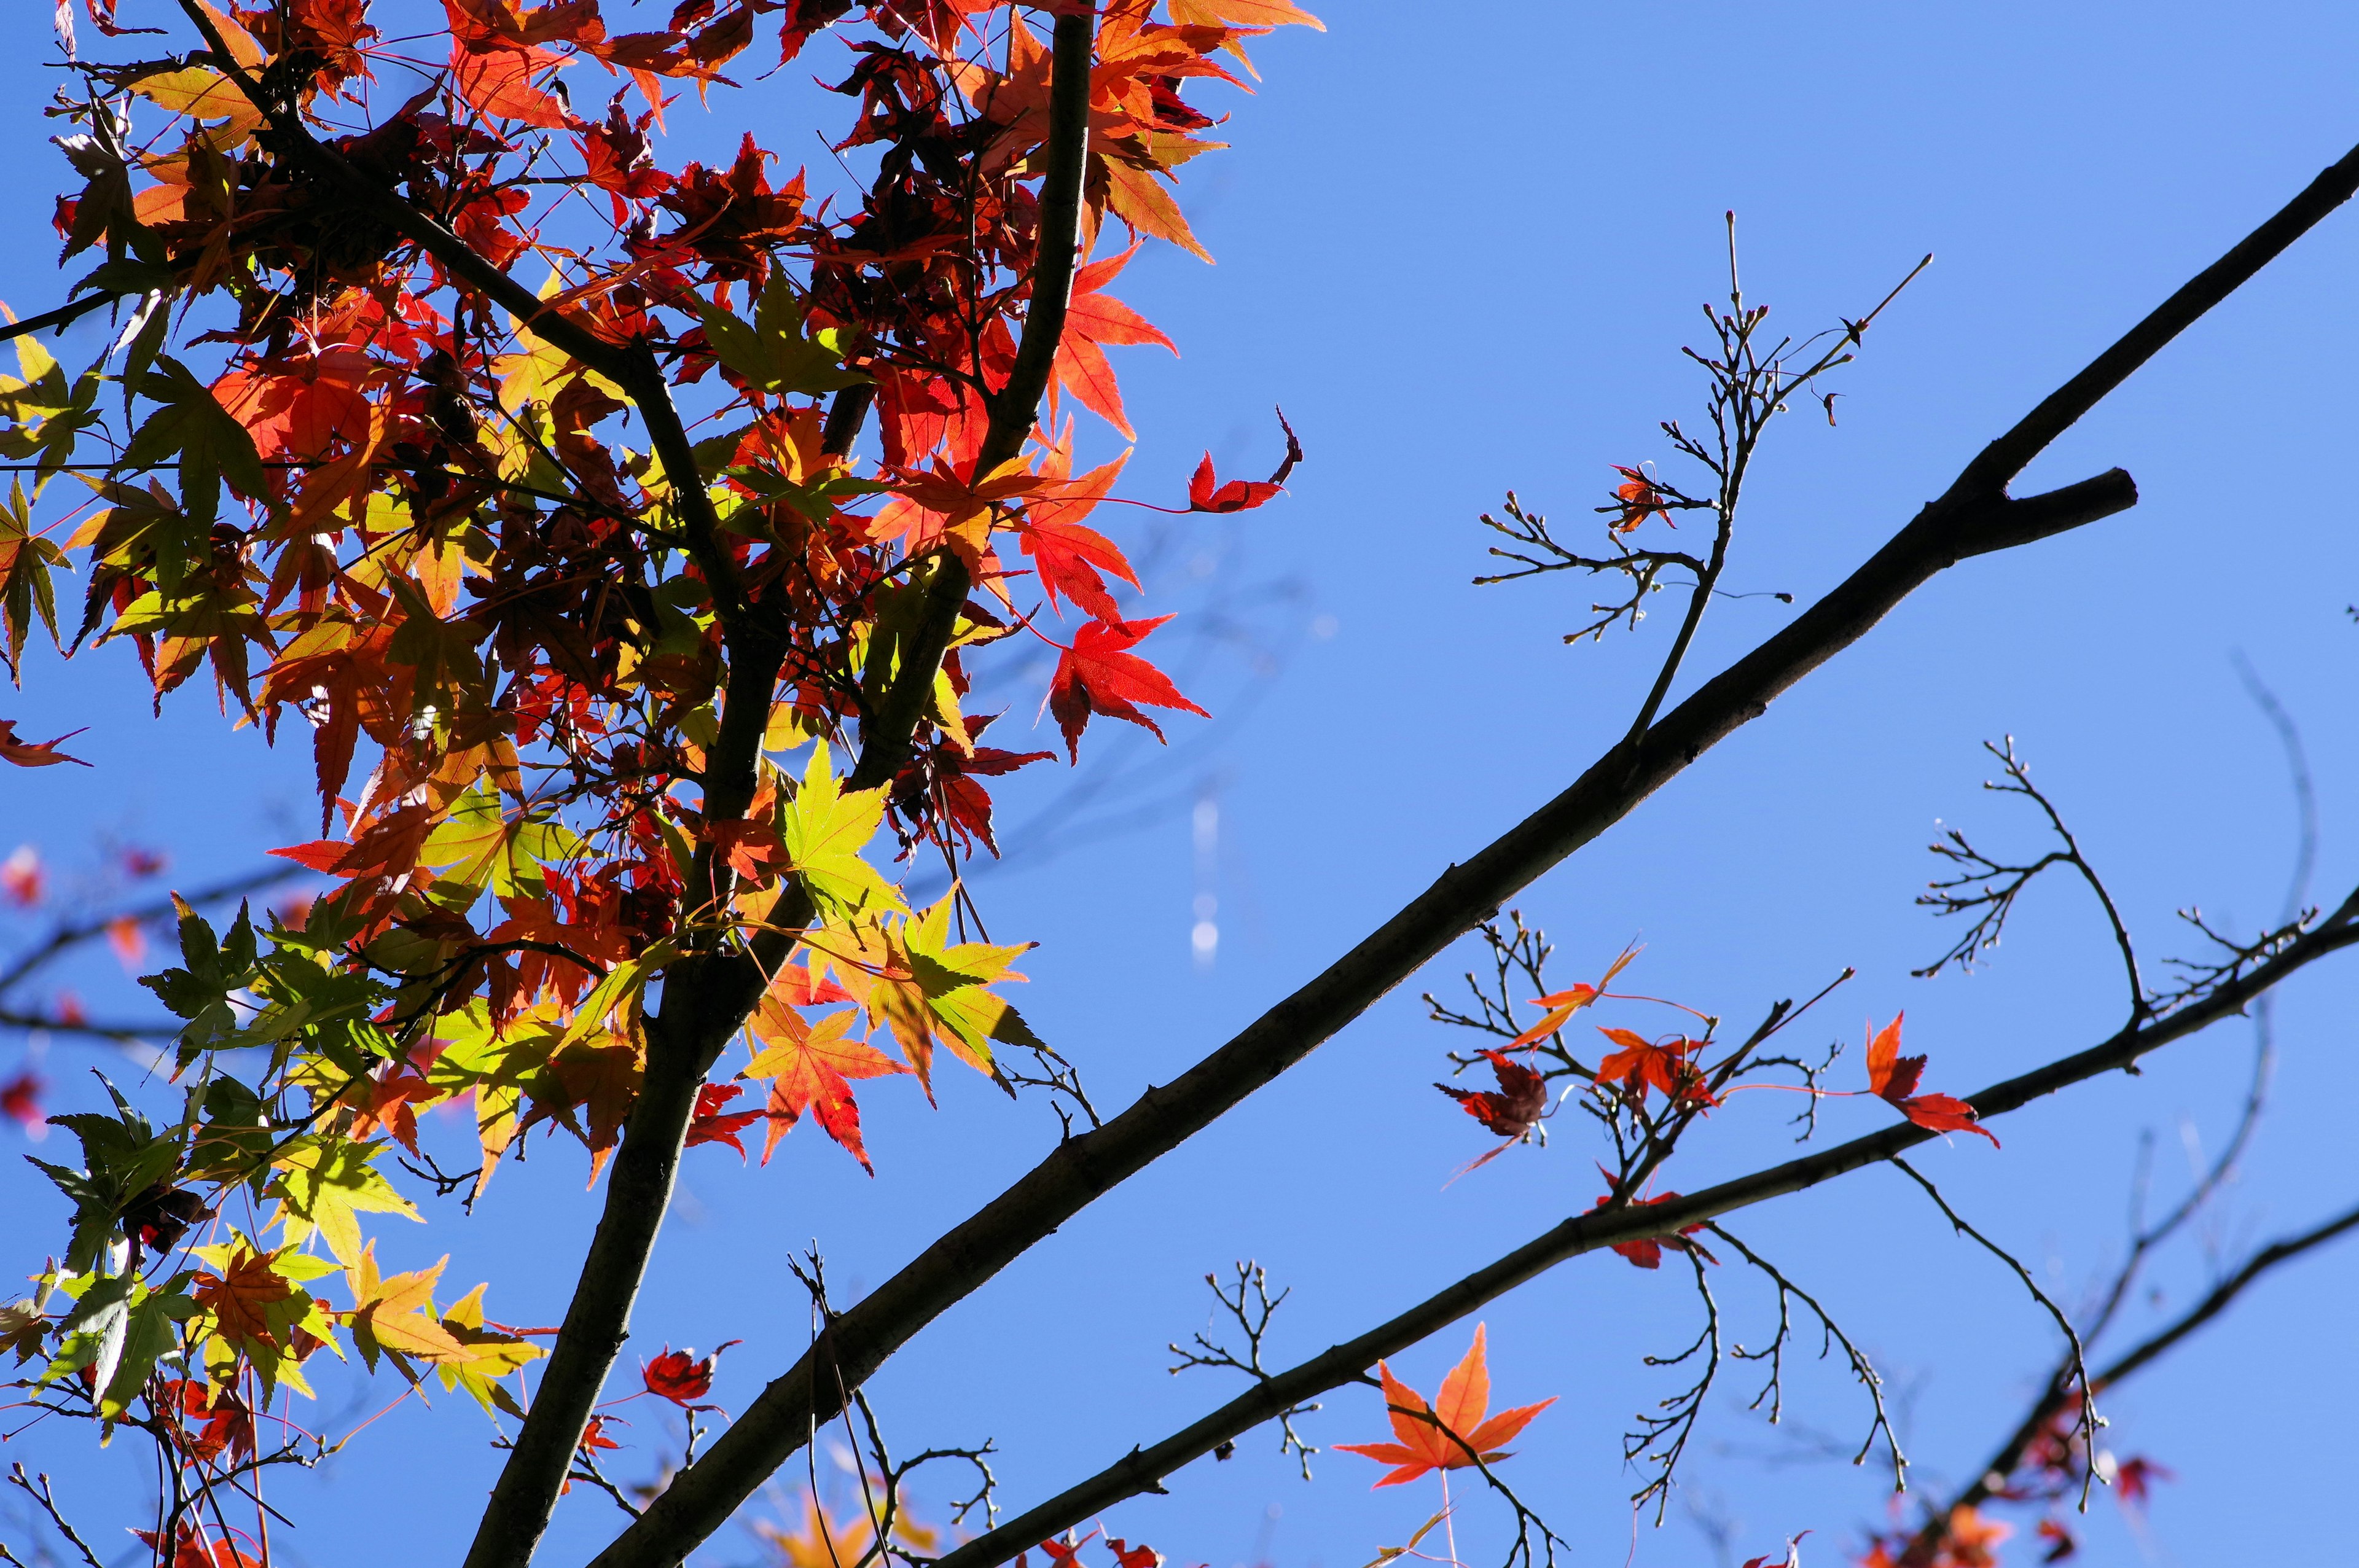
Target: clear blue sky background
point(1462, 250)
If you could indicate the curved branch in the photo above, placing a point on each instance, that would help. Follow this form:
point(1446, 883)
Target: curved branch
point(1970, 519)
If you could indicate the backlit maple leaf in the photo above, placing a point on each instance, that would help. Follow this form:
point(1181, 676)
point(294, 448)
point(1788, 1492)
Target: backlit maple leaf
point(1093, 319)
point(678, 1375)
point(1646, 1251)
point(1100, 674)
point(1642, 1063)
point(29, 754)
point(712, 1124)
point(1561, 1005)
point(810, 1067)
point(1892, 1078)
point(1462, 1432)
point(1640, 500)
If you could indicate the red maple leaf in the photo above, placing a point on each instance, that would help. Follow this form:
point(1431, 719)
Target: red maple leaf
point(1511, 1108)
point(1206, 494)
point(1646, 1251)
point(20, 1100)
point(712, 1126)
point(26, 754)
point(1069, 556)
point(679, 1376)
point(593, 1435)
point(2135, 1478)
point(1090, 319)
point(1100, 674)
point(1892, 1078)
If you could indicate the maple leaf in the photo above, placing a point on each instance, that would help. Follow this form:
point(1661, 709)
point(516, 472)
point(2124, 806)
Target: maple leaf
point(1892, 1078)
point(1099, 674)
point(191, 1549)
point(1206, 494)
point(679, 1376)
point(491, 1355)
point(500, 85)
point(1640, 500)
point(1646, 1251)
point(1459, 1412)
point(1093, 319)
point(20, 1100)
point(396, 1313)
point(1561, 1005)
point(26, 754)
point(2135, 1478)
point(825, 828)
point(810, 1067)
point(224, 1424)
point(21, 877)
point(1067, 555)
point(712, 1125)
point(1512, 1109)
point(323, 1183)
point(1642, 1063)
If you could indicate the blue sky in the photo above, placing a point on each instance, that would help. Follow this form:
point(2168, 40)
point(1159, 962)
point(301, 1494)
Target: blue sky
point(1463, 257)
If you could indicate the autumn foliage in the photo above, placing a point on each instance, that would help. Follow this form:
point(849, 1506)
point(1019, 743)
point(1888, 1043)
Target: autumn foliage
point(514, 469)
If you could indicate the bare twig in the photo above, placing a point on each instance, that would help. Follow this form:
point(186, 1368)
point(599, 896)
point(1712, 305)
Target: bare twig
point(1830, 1335)
point(1992, 886)
point(1252, 1306)
point(2090, 1420)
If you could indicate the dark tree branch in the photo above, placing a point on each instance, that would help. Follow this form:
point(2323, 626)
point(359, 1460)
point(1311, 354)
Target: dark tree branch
point(62, 318)
point(1144, 1469)
point(885, 733)
point(1974, 518)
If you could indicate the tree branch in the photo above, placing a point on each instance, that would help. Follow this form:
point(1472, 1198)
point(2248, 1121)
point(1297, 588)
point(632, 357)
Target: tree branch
point(1963, 523)
point(884, 734)
point(1144, 1469)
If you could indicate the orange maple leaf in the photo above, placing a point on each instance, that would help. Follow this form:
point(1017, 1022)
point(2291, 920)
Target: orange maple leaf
point(241, 1296)
point(1641, 1062)
point(1561, 1005)
point(1640, 500)
point(810, 1067)
point(1451, 1433)
point(1892, 1078)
